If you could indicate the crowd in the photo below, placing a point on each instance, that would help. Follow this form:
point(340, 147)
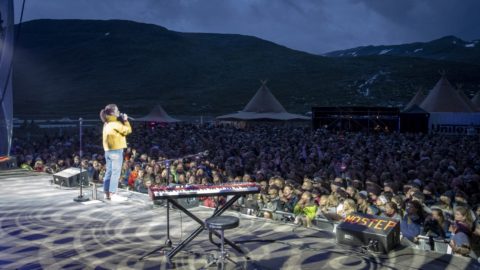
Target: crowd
point(429, 183)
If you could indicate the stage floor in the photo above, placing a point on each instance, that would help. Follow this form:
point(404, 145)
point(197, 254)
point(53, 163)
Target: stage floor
point(43, 228)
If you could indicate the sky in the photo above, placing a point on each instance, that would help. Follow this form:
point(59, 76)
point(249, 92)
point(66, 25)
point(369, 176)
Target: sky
point(315, 26)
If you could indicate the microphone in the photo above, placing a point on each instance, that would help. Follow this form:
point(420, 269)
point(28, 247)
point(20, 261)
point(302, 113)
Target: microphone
point(122, 117)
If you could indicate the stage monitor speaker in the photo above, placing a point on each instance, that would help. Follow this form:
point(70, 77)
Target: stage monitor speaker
point(71, 177)
point(378, 234)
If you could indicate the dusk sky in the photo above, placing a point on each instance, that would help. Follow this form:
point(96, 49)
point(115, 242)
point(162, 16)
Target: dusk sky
point(315, 26)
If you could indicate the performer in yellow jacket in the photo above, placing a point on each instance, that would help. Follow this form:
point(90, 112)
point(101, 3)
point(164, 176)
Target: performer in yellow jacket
point(115, 129)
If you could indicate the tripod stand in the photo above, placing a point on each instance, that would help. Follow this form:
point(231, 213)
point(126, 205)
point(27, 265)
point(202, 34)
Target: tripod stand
point(80, 197)
point(168, 242)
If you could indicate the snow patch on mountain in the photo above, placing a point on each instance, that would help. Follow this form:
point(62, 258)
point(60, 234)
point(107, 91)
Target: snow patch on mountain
point(384, 51)
point(364, 88)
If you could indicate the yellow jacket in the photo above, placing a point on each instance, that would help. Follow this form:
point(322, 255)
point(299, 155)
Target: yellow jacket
point(114, 133)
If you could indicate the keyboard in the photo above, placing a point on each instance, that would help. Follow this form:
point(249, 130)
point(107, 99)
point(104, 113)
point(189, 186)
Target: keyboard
point(185, 191)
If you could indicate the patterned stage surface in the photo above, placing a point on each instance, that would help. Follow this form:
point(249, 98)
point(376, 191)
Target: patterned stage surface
point(43, 228)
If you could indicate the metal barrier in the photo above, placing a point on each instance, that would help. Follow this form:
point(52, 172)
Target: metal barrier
point(428, 243)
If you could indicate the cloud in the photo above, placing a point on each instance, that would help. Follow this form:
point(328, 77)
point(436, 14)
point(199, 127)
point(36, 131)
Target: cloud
point(425, 20)
point(315, 26)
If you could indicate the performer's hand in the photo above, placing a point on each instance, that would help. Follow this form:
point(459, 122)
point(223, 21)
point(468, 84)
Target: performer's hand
point(125, 117)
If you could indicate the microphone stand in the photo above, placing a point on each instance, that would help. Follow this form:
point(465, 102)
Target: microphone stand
point(168, 242)
point(80, 197)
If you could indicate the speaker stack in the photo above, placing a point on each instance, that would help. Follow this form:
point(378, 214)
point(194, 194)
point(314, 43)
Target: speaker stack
point(378, 234)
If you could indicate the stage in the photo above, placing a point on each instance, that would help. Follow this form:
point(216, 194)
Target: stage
point(43, 228)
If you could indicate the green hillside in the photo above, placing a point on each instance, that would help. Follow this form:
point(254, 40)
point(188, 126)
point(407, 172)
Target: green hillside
point(74, 67)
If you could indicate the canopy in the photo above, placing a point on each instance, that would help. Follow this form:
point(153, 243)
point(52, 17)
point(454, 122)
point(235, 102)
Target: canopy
point(443, 98)
point(263, 106)
point(158, 114)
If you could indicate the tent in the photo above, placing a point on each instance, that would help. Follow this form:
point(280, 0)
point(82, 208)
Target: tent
point(263, 106)
point(450, 113)
point(157, 114)
point(443, 98)
point(416, 100)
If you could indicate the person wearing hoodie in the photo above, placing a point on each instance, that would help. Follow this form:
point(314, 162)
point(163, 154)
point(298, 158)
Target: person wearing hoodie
point(305, 210)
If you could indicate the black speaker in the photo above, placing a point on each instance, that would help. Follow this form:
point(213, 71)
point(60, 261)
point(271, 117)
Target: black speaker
point(378, 234)
point(71, 177)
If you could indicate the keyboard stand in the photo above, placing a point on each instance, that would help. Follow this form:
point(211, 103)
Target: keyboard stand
point(200, 228)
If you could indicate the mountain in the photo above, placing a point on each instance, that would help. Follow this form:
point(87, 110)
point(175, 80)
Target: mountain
point(73, 68)
point(448, 48)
